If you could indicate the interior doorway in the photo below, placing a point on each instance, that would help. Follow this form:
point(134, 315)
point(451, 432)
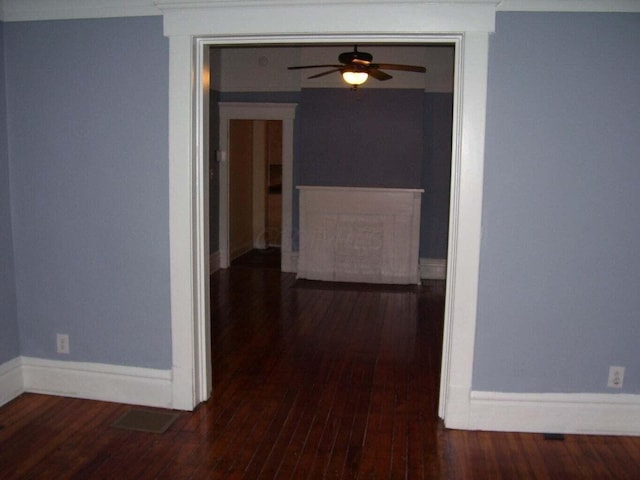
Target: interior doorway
point(255, 185)
point(256, 192)
point(242, 125)
point(191, 371)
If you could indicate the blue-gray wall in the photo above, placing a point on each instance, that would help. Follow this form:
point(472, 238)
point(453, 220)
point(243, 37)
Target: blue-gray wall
point(560, 256)
point(88, 176)
point(9, 343)
point(344, 138)
point(88, 156)
point(367, 138)
point(436, 175)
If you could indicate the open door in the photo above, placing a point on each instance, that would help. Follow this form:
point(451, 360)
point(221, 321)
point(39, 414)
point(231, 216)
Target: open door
point(278, 208)
point(255, 185)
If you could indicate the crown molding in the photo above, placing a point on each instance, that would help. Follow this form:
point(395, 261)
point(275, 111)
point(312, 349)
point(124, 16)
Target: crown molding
point(33, 10)
point(601, 6)
point(170, 4)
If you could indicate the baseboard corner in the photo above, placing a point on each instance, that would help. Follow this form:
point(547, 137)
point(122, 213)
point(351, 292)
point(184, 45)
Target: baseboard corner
point(11, 382)
point(214, 262)
point(289, 262)
point(433, 268)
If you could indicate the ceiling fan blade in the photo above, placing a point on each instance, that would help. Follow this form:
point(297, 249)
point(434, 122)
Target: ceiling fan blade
point(325, 73)
point(378, 74)
point(405, 68)
point(358, 61)
point(313, 66)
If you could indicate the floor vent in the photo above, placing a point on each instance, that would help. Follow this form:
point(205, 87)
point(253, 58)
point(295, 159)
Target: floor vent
point(146, 420)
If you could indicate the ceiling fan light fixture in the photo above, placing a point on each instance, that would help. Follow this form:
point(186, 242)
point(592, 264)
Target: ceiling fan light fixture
point(355, 78)
point(356, 68)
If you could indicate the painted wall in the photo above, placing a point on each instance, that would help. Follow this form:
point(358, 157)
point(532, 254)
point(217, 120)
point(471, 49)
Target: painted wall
point(436, 174)
point(260, 75)
point(88, 135)
point(367, 138)
point(350, 133)
point(560, 263)
point(9, 344)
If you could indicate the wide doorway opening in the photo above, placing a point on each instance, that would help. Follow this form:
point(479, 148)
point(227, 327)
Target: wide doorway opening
point(247, 121)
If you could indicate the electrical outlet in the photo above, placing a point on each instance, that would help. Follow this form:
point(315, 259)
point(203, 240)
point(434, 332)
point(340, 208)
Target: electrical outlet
point(62, 341)
point(616, 377)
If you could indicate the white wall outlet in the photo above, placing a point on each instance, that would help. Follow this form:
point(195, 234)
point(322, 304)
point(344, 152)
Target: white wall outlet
point(62, 342)
point(616, 377)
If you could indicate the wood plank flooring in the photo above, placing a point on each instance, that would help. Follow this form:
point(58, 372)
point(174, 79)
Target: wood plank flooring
point(311, 381)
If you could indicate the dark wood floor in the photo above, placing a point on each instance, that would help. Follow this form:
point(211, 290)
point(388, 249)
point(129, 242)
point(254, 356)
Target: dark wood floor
point(311, 380)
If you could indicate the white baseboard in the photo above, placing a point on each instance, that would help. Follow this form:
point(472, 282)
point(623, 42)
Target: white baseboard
point(11, 385)
point(583, 413)
point(214, 262)
point(95, 381)
point(433, 268)
point(456, 408)
point(430, 268)
point(238, 251)
point(289, 262)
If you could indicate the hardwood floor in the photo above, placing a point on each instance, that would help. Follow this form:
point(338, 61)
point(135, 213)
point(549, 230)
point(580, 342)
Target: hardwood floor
point(311, 380)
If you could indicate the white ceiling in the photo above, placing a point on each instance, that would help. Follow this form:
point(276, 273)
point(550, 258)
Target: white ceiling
point(251, 69)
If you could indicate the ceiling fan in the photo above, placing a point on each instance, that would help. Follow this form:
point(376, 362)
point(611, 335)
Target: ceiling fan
point(356, 67)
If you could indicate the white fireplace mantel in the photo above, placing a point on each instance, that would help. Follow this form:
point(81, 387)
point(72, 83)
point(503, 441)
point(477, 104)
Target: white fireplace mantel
point(359, 234)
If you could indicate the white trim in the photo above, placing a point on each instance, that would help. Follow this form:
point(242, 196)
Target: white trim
point(257, 111)
point(11, 383)
point(465, 214)
point(433, 268)
point(202, 361)
point(34, 10)
point(244, 19)
point(186, 223)
point(467, 167)
point(111, 383)
point(569, 6)
point(214, 262)
point(587, 413)
point(290, 262)
point(259, 185)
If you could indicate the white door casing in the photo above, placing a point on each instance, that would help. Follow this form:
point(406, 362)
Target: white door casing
point(284, 112)
point(190, 28)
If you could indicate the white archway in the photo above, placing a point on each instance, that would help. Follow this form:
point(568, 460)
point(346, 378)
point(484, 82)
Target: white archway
point(189, 30)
